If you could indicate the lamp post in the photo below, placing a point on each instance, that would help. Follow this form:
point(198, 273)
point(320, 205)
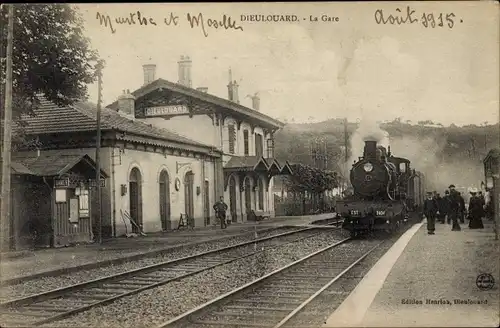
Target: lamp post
point(7, 140)
point(99, 67)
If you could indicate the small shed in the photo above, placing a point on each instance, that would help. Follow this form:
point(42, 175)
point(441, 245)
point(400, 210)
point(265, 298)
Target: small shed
point(51, 200)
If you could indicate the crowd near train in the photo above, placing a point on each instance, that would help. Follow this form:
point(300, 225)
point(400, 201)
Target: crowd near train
point(388, 192)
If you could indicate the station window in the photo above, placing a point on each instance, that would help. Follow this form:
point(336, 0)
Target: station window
point(232, 137)
point(245, 142)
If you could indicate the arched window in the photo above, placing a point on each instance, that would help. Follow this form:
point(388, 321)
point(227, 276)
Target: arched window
point(260, 186)
point(164, 186)
point(135, 199)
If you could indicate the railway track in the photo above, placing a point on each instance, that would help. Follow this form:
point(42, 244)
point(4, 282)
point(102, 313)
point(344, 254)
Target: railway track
point(276, 299)
point(57, 304)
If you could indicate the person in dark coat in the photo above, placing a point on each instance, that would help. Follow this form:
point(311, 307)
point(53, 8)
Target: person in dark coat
point(220, 211)
point(430, 210)
point(475, 211)
point(461, 213)
point(483, 202)
point(442, 208)
point(454, 208)
point(447, 202)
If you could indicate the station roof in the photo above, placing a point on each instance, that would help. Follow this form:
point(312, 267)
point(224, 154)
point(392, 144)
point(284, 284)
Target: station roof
point(54, 164)
point(206, 101)
point(51, 118)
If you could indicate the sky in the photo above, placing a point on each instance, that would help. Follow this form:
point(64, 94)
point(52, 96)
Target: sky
point(313, 71)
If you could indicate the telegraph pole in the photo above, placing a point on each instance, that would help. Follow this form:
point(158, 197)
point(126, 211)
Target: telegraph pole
point(346, 142)
point(98, 149)
point(7, 140)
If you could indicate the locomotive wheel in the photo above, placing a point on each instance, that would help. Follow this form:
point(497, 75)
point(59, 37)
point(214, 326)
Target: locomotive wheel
point(353, 234)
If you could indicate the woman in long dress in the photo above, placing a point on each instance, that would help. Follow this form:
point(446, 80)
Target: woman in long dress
point(475, 211)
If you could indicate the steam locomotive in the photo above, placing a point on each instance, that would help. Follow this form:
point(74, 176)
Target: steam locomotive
point(386, 191)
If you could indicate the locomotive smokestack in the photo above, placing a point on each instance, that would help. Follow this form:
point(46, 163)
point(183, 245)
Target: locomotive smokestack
point(370, 151)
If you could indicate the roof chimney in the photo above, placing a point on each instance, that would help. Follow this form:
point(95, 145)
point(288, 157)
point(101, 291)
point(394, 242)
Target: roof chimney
point(185, 71)
point(202, 89)
point(149, 73)
point(126, 104)
point(255, 102)
point(232, 88)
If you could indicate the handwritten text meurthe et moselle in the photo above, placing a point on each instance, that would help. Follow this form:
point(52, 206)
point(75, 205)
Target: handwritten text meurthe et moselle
point(195, 21)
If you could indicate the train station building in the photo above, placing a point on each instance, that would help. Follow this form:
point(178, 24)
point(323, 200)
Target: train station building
point(167, 149)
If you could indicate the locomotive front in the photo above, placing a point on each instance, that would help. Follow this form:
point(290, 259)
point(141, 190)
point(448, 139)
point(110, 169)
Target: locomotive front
point(371, 176)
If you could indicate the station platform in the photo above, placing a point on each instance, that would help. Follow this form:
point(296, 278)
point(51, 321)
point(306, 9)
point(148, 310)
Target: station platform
point(42, 261)
point(428, 281)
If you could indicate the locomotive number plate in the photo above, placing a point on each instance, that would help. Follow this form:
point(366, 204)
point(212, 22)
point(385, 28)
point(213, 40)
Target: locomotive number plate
point(380, 213)
point(354, 212)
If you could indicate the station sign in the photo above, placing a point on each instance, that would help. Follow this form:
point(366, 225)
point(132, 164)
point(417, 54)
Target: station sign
point(92, 183)
point(166, 110)
point(61, 183)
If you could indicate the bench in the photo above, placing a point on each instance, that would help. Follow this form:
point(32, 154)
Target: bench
point(261, 215)
point(185, 221)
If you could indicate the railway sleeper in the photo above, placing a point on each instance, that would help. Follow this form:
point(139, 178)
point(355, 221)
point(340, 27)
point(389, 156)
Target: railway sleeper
point(90, 297)
point(234, 324)
point(134, 282)
point(147, 279)
point(23, 313)
point(242, 315)
point(258, 308)
point(52, 308)
point(260, 301)
point(279, 287)
point(118, 286)
point(275, 295)
point(102, 291)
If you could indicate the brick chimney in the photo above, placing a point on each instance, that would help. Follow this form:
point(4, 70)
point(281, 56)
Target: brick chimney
point(149, 73)
point(185, 71)
point(126, 104)
point(232, 89)
point(255, 102)
point(202, 89)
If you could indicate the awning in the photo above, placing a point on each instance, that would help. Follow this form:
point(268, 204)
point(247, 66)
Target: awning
point(19, 169)
point(246, 163)
point(57, 164)
point(243, 164)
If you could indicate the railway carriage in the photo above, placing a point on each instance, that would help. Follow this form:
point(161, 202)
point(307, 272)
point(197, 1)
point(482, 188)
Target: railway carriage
point(386, 191)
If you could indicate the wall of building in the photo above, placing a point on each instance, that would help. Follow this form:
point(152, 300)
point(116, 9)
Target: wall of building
point(202, 129)
point(150, 166)
point(198, 128)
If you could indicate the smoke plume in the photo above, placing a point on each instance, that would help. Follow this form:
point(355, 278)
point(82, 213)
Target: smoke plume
point(366, 130)
point(427, 155)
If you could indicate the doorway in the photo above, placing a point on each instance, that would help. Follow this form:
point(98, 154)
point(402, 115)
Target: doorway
point(135, 198)
point(232, 199)
point(164, 184)
point(248, 196)
point(188, 194)
point(206, 195)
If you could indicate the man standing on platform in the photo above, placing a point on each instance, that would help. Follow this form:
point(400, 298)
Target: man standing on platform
point(442, 208)
point(454, 207)
point(220, 211)
point(447, 202)
point(461, 213)
point(430, 210)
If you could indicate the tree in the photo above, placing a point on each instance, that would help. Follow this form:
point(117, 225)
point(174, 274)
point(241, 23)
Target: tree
point(51, 57)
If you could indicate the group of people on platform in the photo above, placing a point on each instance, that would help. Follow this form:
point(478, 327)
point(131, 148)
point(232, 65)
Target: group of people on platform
point(451, 209)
